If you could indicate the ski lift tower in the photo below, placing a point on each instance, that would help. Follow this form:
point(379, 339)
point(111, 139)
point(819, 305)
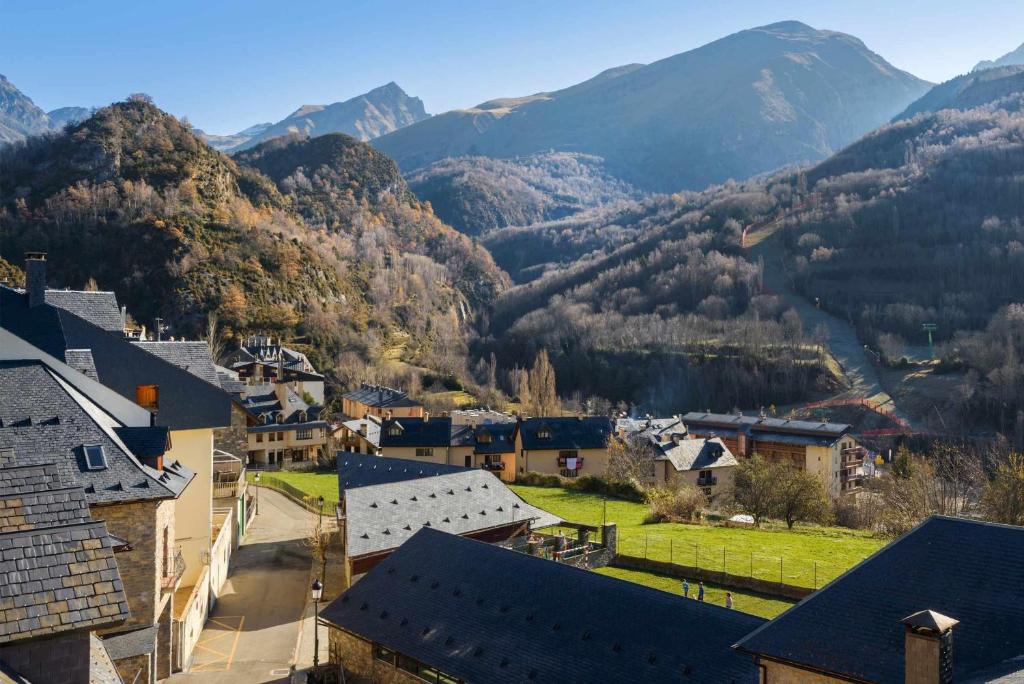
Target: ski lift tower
point(930, 328)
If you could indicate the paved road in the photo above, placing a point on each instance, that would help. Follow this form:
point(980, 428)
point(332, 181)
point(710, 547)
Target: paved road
point(861, 374)
point(252, 633)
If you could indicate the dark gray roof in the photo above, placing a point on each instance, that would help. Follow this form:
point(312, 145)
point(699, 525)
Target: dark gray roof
point(966, 570)
point(28, 479)
point(381, 517)
point(144, 442)
point(696, 454)
point(1010, 671)
point(364, 470)
point(81, 360)
point(379, 396)
point(290, 425)
point(481, 613)
point(50, 508)
point(99, 308)
point(416, 432)
point(131, 643)
point(44, 423)
point(501, 438)
point(58, 579)
point(101, 667)
point(589, 432)
point(186, 402)
point(192, 356)
point(755, 425)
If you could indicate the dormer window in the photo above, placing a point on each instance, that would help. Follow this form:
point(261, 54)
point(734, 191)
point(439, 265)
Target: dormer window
point(279, 418)
point(484, 437)
point(395, 430)
point(148, 396)
point(302, 417)
point(95, 459)
point(544, 432)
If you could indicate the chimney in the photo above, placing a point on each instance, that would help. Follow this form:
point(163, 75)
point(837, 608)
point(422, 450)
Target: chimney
point(928, 648)
point(426, 416)
point(35, 278)
point(675, 438)
point(362, 428)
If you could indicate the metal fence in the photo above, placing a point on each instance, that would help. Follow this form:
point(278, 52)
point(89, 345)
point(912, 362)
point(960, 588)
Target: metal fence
point(272, 482)
point(803, 572)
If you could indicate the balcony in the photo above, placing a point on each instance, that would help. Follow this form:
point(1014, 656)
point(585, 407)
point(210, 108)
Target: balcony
point(852, 457)
point(173, 571)
point(493, 465)
point(228, 475)
point(709, 481)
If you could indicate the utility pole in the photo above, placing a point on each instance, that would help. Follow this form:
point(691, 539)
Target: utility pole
point(930, 328)
point(159, 327)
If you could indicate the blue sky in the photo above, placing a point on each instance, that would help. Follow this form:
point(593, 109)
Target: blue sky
point(227, 65)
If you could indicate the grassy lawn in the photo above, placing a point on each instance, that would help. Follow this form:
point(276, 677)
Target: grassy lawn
point(755, 604)
point(309, 484)
point(810, 556)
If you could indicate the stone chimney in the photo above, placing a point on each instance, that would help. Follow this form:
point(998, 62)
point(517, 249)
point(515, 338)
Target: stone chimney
point(35, 278)
point(928, 648)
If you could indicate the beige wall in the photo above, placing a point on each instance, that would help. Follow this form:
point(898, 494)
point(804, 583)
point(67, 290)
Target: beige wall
point(595, 461)
point(189, 619)
point(440, 454)
point(194, 508)
point(723, 475)
point(357, 409)
point(777, 673)
point(506, 474)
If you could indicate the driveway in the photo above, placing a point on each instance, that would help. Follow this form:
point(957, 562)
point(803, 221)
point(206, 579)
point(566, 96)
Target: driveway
point(252, 633)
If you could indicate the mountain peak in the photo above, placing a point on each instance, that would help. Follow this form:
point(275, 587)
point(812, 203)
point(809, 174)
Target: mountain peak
point(788, 26)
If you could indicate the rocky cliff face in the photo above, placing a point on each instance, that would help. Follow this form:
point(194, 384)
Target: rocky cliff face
point(19, 116)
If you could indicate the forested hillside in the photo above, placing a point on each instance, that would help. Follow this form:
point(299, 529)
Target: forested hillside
point(476, 194)
point(969, 91)
point(130, 199)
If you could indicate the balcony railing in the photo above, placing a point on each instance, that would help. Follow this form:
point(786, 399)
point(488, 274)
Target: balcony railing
point(493, 465)
point(709, 481)
point(173, 571)
point(228, 475)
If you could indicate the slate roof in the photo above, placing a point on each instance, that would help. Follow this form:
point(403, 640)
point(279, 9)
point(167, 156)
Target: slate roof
point(81, 360)
point(502, 438)
point(381, 517)
point(186, 402)
point(966, 570)
point(42, 421)
point(364, 470)
point(416, 432)
point(192, 356)
point(101, 667)
point(590, 432)
point(131, 643)
point(481, 613)
point(372, 433)
point(775, 429)
point(49, 508)
point(696, 454)
point(144, 442)
point(379, 396)
point(651, 426)
point(99, 308)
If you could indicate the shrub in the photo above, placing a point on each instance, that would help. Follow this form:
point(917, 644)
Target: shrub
point(675, 504)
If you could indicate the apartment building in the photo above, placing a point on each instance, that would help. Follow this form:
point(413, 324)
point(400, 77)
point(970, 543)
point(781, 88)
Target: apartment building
point(826, 449)
point(568, 447)
point(441, 440)
point(380, 401)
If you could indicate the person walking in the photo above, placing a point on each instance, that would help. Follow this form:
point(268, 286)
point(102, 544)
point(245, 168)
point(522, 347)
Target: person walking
point(686, 589)
point(700, 591)
point(728, 599)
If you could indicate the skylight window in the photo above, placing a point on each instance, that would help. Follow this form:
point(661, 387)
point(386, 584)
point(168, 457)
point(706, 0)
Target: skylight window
point(95, 459)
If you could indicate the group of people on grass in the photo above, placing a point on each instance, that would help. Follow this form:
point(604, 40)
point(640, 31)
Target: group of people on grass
point(700, 593)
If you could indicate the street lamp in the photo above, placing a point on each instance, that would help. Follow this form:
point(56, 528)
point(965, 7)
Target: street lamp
point(257, 493)
point(318, 591)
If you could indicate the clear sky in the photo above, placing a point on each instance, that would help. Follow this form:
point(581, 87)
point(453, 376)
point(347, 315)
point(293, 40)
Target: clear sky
point(227, 65)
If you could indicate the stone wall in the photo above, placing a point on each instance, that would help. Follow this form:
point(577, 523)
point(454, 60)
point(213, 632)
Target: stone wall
point(135, 668)
point(141, 525)
point(357, 657)
point(60, 660)
point(234, 439)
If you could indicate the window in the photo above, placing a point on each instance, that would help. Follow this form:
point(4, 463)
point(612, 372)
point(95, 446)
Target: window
point(544, 432)
point(484, 437)
point(259, 437)
point(395, 430)
point(305, 433)
point(280, 436)
point(381, 653)
point(272, 437)
point(569, 463)
point(148, 396)
point(425, 452)
point(95, 459)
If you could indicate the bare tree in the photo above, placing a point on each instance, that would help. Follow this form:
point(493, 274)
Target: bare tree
point(630, 459)
point(542, 386)
point(213, 337)
point(754, 488)
point(1003, 500)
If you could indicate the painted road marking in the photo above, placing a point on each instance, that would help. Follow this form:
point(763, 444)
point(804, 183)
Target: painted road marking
point(222, 651)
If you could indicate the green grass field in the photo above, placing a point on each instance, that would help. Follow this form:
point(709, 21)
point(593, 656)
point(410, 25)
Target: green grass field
point(309, 484)
point(810, 556)
point(755, 604)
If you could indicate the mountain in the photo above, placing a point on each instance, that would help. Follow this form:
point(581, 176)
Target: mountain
point(19, 116)
point(63, 116)
point(1009, 59)
point(970, 90)
point(751, 102)
point(476, 194)
point(380, 111)
point(225, 143)
point(131, 199)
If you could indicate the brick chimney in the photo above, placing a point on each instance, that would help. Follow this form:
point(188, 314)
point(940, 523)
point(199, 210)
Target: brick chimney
point(35, 278)
point(928, 648)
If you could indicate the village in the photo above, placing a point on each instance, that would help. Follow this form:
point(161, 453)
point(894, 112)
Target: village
point(398, 546)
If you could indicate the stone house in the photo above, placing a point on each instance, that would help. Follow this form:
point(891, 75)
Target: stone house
point(446, 608)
